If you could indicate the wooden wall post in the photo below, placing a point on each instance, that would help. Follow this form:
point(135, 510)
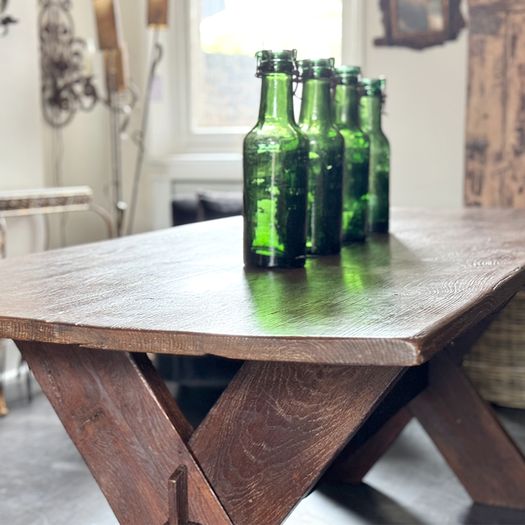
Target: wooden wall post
point(495, 142)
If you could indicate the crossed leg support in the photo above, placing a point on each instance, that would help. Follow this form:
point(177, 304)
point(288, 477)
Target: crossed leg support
point(466, 431)
point(127, 427)
point(271, 435)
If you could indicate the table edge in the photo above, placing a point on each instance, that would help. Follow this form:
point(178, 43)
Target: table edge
point(381, 351)
point(322, 350)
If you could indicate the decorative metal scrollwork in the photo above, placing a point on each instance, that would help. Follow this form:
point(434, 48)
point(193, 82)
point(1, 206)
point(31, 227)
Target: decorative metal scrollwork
point(66, 88)
point(6, 21)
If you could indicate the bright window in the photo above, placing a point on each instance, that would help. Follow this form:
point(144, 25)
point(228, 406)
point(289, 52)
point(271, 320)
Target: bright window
point(217, 94)
point(225, 34)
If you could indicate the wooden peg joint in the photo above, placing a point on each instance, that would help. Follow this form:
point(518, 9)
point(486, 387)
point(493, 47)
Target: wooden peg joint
point(178, 498)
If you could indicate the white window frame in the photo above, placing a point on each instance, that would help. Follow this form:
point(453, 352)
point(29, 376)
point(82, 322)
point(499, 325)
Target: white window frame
point(228, 140)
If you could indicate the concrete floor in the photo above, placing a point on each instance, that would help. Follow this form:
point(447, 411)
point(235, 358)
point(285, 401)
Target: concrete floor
point(43, 481)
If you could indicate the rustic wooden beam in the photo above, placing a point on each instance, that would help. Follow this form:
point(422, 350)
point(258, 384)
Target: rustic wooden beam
point(388, 421)
point(470, 437)
point(127, 428)
point(495, 145)
point(277, 427)
point(380, 430)
point(356, 461)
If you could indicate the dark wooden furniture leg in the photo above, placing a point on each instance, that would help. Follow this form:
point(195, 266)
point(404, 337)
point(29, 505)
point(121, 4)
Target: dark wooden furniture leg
point(355, 461)
point(380, 430)
point(127, 427)
point(470, 437)
point(276, 428)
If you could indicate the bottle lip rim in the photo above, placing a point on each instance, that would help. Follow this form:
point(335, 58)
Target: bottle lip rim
point(276, 61)
point(315, 68)
point(374, 86)
point(345, 70)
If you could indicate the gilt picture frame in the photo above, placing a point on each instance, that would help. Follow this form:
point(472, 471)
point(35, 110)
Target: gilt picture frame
point(419, 24)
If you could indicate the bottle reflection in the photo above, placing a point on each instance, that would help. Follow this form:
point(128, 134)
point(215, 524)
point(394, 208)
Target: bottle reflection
point(329, 290)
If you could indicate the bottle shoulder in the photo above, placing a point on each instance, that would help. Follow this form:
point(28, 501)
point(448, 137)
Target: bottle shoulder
point(380, 139)
point(272, 128)
point(380, 147)
point(330, 132)
point(354, 135)
point(331, 141)
point(276, 133)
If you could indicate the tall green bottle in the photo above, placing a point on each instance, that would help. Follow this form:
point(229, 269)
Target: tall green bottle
point(325, 158)
point(379, 174)
point(347, 93)
point(275, 179)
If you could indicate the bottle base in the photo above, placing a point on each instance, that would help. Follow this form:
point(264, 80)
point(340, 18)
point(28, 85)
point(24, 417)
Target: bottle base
point(379, 228)
point(350, 239)
point(255, 260)
point(323, 252)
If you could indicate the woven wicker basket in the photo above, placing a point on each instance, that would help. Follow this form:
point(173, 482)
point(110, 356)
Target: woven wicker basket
point(496, 364)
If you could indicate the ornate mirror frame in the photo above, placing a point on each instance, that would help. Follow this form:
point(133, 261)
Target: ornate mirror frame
point(452, 24)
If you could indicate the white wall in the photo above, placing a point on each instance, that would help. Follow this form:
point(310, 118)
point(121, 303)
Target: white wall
point(86, 141)
point(425, 119)
point(20, 138)
point(20, 129)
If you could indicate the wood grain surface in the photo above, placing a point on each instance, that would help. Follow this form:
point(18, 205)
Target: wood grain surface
point(127, 428)
point(469, 436)
point(495, 156)
point(276, 428)
point(395, 300)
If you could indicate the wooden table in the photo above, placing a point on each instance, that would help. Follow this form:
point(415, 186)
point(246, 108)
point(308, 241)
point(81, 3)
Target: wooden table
point(339, 357)
point(42, 201)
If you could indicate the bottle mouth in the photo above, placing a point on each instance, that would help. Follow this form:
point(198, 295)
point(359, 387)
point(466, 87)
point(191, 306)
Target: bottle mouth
point(374, 86)
point(315, 68)
point(269, 61)
point(347, 75)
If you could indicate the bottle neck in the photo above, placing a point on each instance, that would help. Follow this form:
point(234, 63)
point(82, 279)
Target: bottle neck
point(276, 98)
point(346, 106)
point(316, 105)
point(371, 108)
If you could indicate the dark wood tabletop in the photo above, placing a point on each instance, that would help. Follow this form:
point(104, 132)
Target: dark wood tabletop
point(395, 300)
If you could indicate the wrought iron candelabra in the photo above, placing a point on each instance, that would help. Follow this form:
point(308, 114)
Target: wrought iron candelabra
point(139, 137)
point(6, 20)
point(120, 104)
point(66, 87)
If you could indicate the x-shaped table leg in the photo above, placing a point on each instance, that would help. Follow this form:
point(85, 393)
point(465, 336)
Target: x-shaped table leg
point(127, 427)
point(466, 431)
point(265, 443)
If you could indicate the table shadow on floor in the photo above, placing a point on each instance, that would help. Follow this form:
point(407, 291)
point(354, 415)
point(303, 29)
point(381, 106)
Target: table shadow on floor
point(486, 515)
point(369, 503)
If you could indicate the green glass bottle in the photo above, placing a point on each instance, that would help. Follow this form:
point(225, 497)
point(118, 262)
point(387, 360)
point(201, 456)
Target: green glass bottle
point(347, 93)
point(325, 158)
point(379, 174)
point(275, 153)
